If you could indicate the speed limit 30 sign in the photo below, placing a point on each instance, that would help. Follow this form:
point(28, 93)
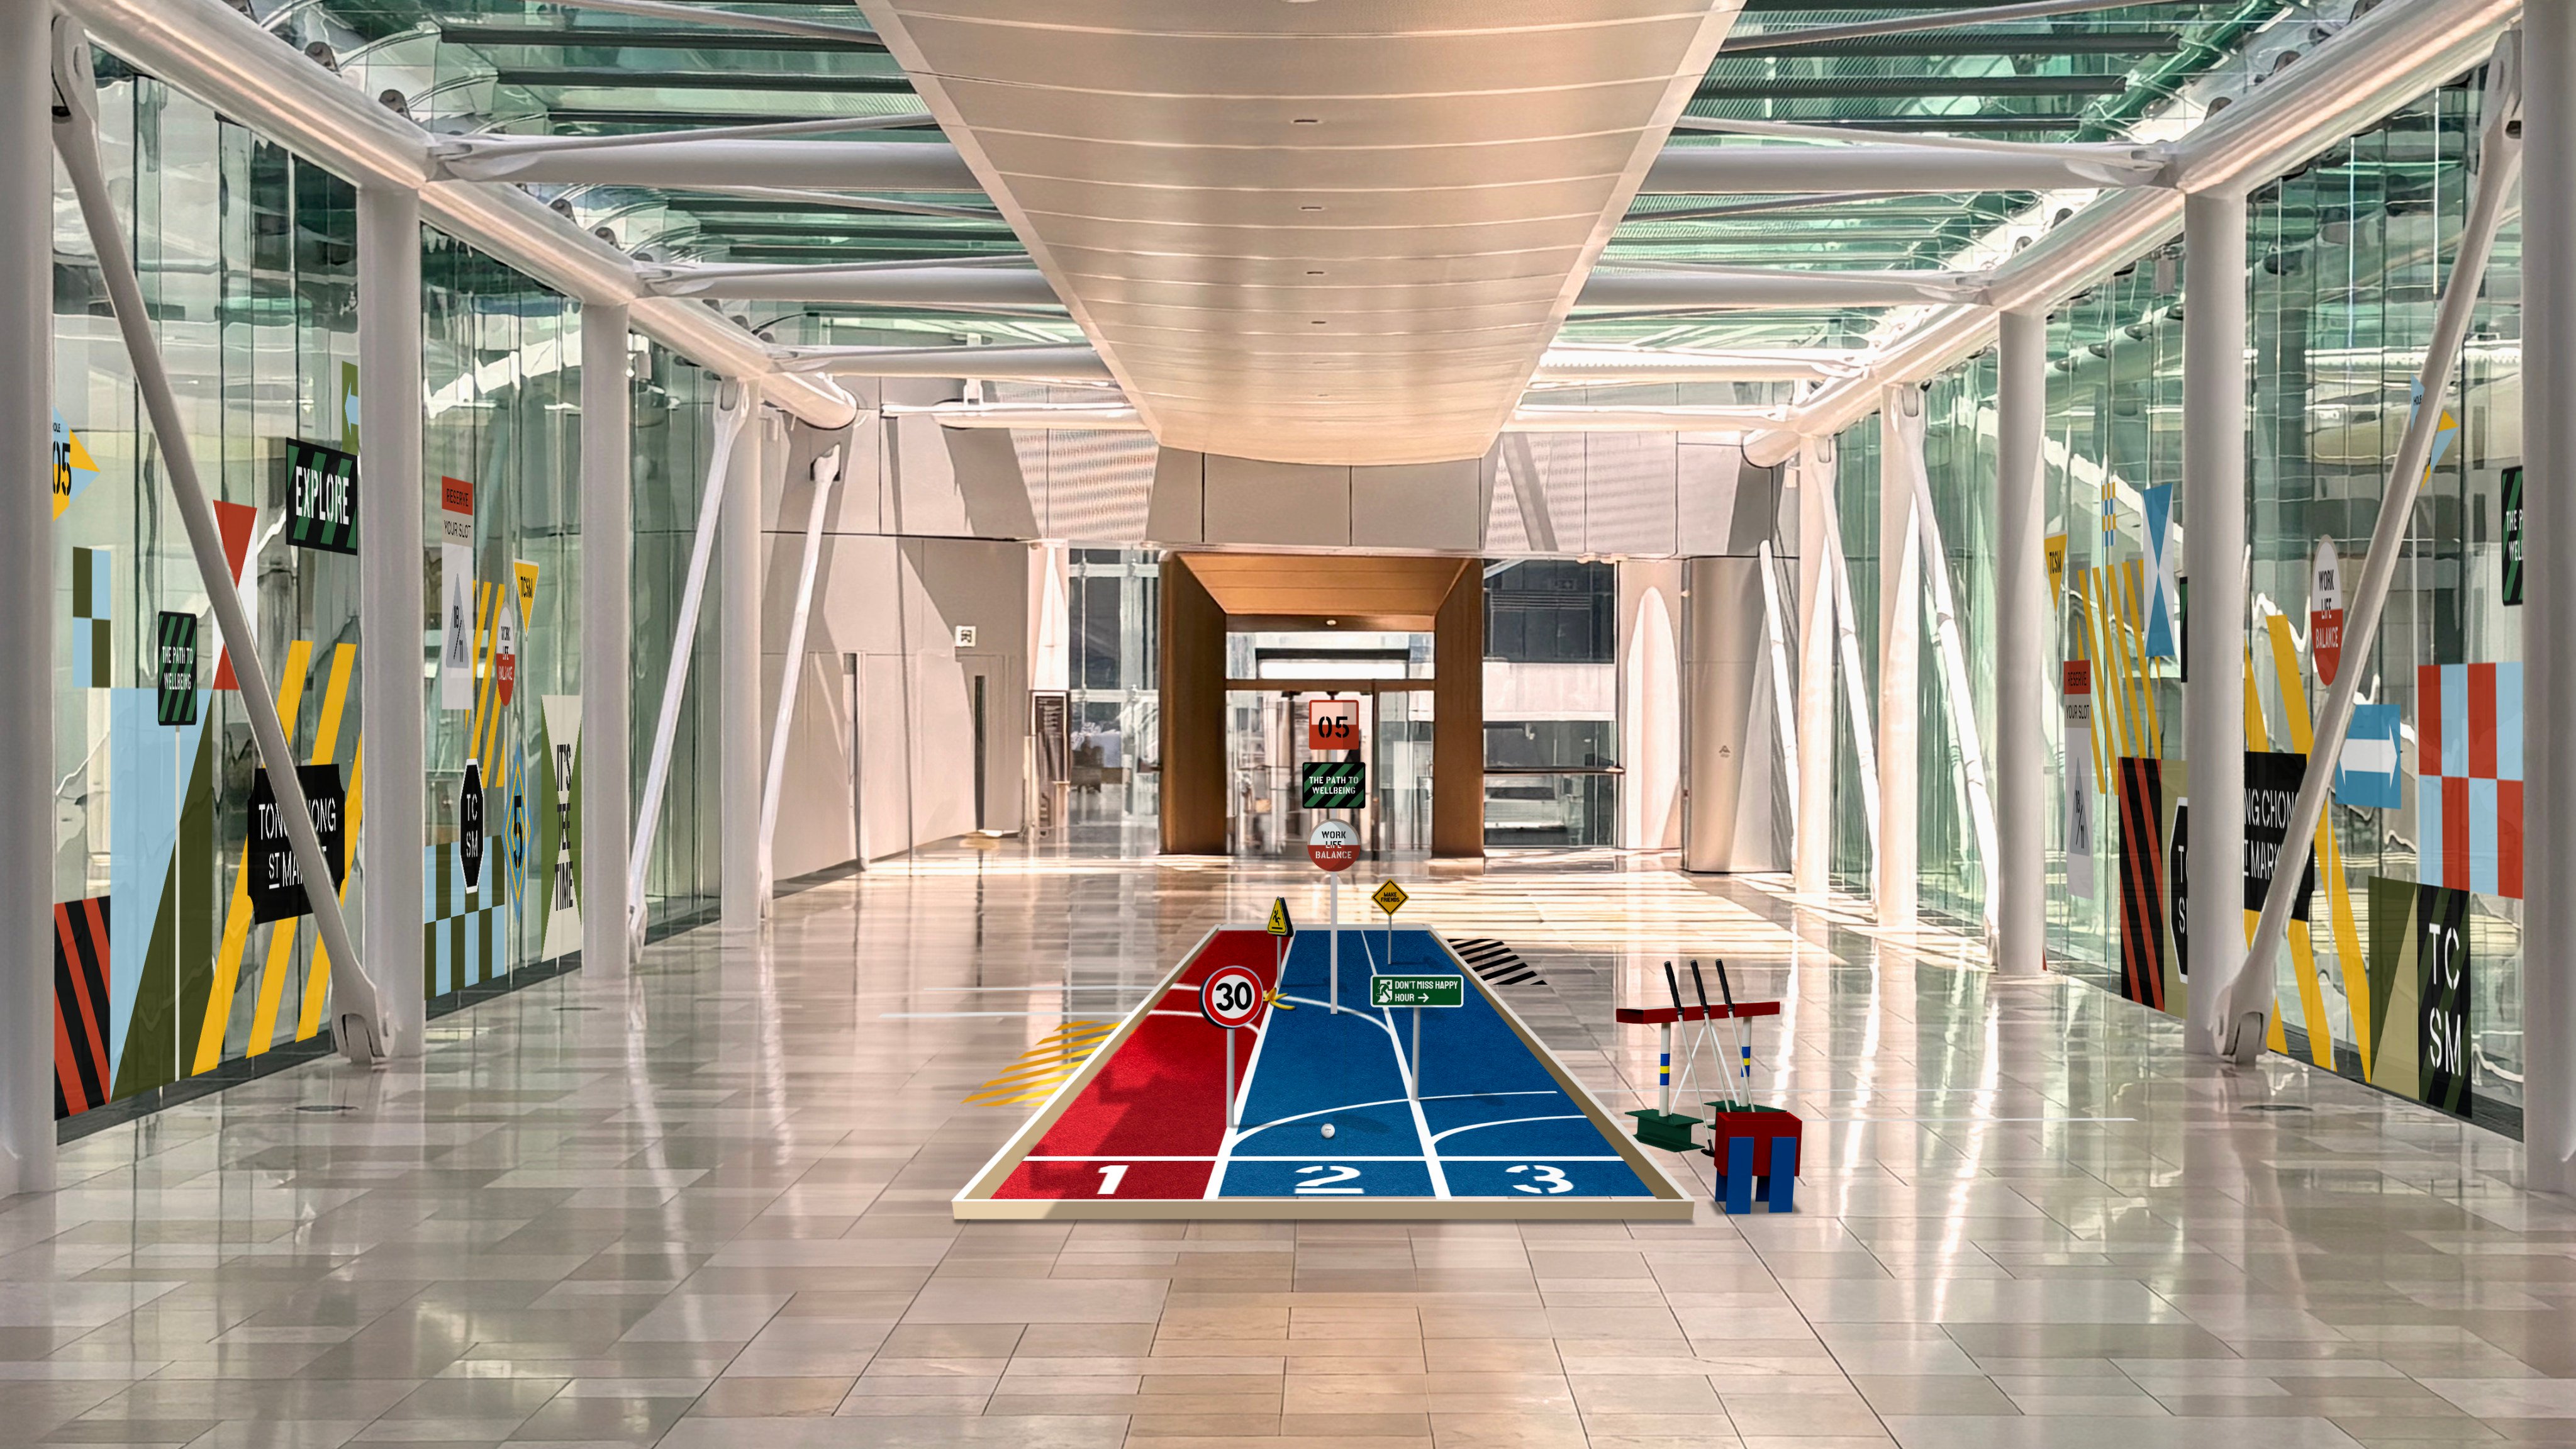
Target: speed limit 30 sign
point(1231, 997)
point(1332, 724)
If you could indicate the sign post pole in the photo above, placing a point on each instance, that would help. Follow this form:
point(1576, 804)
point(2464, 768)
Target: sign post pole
point(1231, 997)
point(1333, 846)
point(1446, 989)
point(1390, 898)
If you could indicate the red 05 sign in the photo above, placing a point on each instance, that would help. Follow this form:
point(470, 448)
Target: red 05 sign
point(1231, 996)
point(1332, 724)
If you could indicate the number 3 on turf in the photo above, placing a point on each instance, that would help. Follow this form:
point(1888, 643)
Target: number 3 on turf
point(1550, 1180)
point(1110, 1177)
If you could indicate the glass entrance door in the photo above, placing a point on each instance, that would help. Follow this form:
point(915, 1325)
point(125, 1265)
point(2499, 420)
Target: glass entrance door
point(1266, 753)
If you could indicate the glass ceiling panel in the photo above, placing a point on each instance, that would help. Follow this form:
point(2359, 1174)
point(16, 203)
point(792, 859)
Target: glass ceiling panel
point(526, 67)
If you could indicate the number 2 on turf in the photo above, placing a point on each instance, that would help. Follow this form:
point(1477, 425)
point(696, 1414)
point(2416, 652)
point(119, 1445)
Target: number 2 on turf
point(1110, 1177)
point(1319, 1185)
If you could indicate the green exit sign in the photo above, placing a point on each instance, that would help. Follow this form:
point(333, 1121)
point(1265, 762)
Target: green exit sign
point(1417, 991)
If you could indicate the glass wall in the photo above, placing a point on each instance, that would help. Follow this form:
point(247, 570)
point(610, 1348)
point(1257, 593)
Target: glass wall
point(1113, 654)
point(1551, 703)
point(2404, 968)
point(165, 967)
point(673, 441)
point(501, 439)
point(178, 965)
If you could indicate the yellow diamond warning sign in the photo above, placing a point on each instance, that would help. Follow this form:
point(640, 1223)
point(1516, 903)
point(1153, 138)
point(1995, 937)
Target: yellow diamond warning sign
point(1390, 897)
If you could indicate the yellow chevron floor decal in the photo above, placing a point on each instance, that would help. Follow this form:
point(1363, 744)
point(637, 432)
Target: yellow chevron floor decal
point(1041, 1067)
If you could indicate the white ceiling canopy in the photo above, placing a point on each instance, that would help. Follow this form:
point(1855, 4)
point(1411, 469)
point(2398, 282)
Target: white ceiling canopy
point(1314, 231)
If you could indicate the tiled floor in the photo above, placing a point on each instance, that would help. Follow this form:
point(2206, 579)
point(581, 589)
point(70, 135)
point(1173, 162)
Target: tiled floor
point(709, 1211)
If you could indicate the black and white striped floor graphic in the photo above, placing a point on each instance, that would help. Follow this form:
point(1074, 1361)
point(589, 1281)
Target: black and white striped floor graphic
point(1497, 963)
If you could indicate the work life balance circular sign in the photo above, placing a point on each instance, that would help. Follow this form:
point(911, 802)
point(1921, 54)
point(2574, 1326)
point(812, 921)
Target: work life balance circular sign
point(1334, 845)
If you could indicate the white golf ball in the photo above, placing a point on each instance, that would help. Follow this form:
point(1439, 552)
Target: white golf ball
point(1328, 1129)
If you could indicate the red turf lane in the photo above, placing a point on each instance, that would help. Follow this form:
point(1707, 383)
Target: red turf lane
point(1160, 1095)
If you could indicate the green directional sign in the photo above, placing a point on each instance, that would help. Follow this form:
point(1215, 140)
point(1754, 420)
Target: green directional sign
point(1417, 991)
point(1334, 784)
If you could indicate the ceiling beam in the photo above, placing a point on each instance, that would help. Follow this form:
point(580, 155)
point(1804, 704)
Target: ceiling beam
point(207, 49)
point(1695, 289)
point(1737, 170)
point(921, 286)
point(1708, 289)
point(1688, 169)
point(596, 78)
point(1075, 362)
point(831, 165)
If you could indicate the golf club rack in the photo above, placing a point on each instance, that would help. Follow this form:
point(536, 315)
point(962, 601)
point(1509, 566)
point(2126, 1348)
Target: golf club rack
point(1755, 1148)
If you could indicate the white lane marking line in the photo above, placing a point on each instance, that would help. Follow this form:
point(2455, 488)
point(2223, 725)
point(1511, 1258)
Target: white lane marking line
point(1343, 1156)
point(1413, 1089)
point(1233, 1131)
point(1508, 1121)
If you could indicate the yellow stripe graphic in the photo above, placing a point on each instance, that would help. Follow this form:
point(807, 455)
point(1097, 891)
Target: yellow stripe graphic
point(326, 743)
point(237, 919)
point(2146, 668)
point(2092, 629)
point(317, 978)
point(1040, 1069)
point(2330, 878)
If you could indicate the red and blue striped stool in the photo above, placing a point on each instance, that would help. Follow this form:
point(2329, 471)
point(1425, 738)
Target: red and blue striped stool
point(1756, 1151)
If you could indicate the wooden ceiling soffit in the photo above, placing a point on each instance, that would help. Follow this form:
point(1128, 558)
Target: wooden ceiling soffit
point(1362, 590)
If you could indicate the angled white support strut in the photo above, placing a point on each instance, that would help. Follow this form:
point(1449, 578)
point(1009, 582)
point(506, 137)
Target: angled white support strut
point(2499, 164)
point(730, 420)
point(827, 471)
point(357, 1025)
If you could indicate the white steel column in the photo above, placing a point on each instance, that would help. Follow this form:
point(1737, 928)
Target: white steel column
point(1813, 858)
point(607, 638)
point(2549, 599)
point(392, 609)
point(739, 744)
point(2213, 509)
point(1900, 651)
point(27, 602)
point(2023, 616)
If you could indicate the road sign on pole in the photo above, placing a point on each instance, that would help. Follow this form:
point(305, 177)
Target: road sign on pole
point(1334, 846)
point(1416, 992)
point(1282, 930)
point(1333, 784)
point(1390, 898)
point(1332, 724)
point(1230, 998)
